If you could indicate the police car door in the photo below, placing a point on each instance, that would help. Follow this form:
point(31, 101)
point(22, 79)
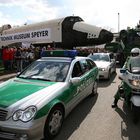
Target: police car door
point(86, 78)
point(75, 89)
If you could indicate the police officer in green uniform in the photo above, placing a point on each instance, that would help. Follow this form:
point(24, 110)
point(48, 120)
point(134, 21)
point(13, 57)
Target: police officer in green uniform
point(123, 87)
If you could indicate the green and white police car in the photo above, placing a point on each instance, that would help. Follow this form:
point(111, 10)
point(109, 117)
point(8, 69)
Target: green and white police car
point(34, 104)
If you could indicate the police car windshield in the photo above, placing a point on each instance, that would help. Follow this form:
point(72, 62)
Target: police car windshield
point(54, 71)
point(134, 65)
point(99, 57)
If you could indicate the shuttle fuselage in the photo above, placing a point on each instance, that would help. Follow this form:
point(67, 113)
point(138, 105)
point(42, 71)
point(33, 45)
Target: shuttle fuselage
point(66, 32)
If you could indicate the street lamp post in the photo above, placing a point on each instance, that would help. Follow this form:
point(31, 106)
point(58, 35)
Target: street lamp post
point(118, 22)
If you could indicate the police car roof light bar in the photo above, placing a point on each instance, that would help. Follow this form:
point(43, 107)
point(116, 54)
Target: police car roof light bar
point(60, 53)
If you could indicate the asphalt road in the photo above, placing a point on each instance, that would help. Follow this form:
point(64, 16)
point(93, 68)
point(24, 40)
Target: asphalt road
point(94, 119)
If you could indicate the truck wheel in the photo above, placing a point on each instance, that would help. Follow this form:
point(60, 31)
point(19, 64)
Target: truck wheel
point(53, 123)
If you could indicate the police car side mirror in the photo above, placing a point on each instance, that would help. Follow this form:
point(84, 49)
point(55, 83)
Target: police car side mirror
point(75, 80)
point(17, 73)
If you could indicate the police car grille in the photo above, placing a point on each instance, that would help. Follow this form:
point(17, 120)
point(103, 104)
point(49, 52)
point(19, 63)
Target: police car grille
point(3, 114)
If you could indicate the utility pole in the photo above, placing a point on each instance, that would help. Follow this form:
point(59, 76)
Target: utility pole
point(118, 22)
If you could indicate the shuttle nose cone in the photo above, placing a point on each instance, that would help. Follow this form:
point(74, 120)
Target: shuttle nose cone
point(105, 36)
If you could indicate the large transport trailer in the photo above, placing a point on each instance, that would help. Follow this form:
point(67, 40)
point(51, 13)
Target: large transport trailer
point(66, 33)
point(124, 43)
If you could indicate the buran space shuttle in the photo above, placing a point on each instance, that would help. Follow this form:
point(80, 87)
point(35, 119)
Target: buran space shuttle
point(67, 33)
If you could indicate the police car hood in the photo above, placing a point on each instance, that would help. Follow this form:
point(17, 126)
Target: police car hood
point(102, 64)
point(19, 92)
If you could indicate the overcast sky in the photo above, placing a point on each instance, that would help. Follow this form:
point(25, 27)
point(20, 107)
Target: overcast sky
point(102, 13)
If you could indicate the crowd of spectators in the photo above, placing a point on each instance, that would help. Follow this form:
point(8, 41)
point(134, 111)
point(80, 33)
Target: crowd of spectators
point(17, 58)
point(86, 51)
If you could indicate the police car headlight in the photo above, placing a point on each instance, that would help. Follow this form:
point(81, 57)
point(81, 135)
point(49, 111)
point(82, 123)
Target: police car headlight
point(135, 82)
point(104, 69)
point(25, 115)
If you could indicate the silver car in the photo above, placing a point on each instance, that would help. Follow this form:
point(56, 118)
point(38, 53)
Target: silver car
point(106, 64)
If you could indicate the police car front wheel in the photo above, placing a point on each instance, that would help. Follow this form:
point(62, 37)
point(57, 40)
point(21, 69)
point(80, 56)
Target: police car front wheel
point(54, 122)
